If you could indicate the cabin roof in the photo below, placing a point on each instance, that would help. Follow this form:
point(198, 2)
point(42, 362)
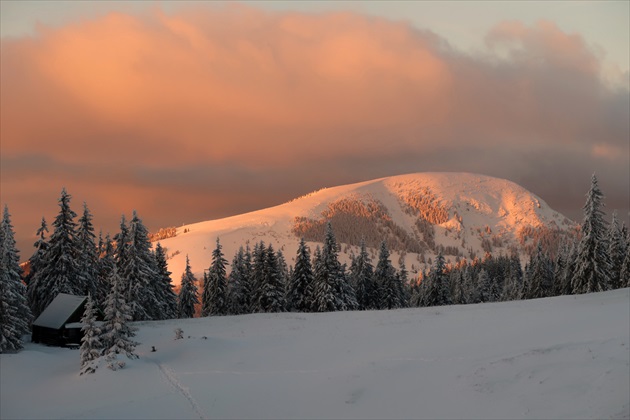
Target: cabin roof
point(59, 311)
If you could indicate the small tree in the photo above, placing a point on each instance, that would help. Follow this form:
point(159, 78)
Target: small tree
point(117, 332)
point(91, 346)
point(301, 286)
point(214, 298)
point(188, 294)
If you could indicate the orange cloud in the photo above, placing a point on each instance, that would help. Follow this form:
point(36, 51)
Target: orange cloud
point(217, 105)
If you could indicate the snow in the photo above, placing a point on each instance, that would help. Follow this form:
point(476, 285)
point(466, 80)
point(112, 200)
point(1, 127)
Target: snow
point(561, 357)
point(479, 200)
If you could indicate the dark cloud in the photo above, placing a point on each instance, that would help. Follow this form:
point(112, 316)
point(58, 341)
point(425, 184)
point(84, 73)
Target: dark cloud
point(217, 111)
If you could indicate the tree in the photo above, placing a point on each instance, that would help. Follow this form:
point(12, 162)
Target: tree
point(539, 276)
point(272, 287)
point(386, 281)
point(616, 250)
point(106, 264)
point(362, 275)
point(484, 283)
point(592, 266)
point(188, 294)
point(301, 284)
point(624, 277)
point(327, 274)
point(239, 284)
point(117, 333)
point(438, 288)
point(164, 286)
point(139, 273)
point(36, 264)
point(15, 314)
point(91, 346)
point(214, 298)
point(60, 273)
point(513, 287)
point(87, 254)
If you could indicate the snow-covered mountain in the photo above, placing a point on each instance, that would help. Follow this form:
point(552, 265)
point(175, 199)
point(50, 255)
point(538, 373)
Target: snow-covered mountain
point(462, 214)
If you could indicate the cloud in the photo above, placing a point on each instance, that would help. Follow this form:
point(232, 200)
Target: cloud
point(216, 110)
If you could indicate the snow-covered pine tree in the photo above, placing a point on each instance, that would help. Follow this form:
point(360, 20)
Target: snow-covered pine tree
point(106, 264)
point(301, 285)
point(36, 263)
point(214, 298)
point(259, 261)
point(15, 314)
point(327, 276)
point(438, 288)
point(188, 294)
point(283, 270)
point(624, 277)
point(386, 281)
point(272, 287)
point(239, 288)
point(87, 258)
point(513, 288)
point(616, 250)
point(484, 288)
point(91, 346)
point(139, 274)
point(592, 266)
point(60, 273)
point(539, 276)
point(116, 331)
point(122, 243)
point(346, 291)
point(566, 276)
point(324, 299)
point(460, 293)
point(403, 282)
point(164, 291)
point(362, 275)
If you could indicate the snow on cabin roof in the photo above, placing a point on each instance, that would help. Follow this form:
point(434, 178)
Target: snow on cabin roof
point(59, 311)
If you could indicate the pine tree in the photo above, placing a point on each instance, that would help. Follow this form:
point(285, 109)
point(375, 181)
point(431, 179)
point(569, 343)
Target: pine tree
point(116, 331)
point(403, 282)
point(91, 346)
point(36, 264)
point(272, 287)
point(139, 274)
point(624, 277)
point(87, 254)
point(363, 279)
point(438, 288)
point(301, 285)
point(346, 291)
point(566, 276)
point(259, 262)
point(188, 294)
point(513, 288)
point(60, 273)
point(387, 283)
point(214, 298)
point(327, 276)
point(164, 291)
point(484, 283)
point(593, 266)
point(15, 314)
point(106, 264)
point(616, 250)
point(239, 286)
point(539, 276)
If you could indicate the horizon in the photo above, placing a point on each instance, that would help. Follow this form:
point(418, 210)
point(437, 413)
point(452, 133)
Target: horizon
point(196, 111)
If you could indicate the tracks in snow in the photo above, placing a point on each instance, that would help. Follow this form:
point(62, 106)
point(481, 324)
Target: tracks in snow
point(170, 376)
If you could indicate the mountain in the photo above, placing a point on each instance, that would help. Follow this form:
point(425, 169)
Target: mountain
point(461, 214)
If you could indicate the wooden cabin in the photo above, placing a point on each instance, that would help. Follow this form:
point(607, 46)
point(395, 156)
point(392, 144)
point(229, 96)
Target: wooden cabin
point(59, 324)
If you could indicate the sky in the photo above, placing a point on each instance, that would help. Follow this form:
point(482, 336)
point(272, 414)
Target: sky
point(190, 111)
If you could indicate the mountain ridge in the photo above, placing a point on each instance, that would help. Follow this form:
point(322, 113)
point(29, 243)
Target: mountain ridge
point(461, 214)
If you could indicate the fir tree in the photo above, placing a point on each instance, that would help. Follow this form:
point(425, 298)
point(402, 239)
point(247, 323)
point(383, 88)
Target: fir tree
point(15, 314)
point(484, 283)
point(616, 250)
point(188, 295)
point(106, 264)
point(87, 257)
point(438, 288)
point(592, 266)
point(327, 276)
point(36, 264)
point(165, 289)
point(624, 277)
point(259, 258)
point(139, 274)
point(239, 286)
point(116, 331)
point(539, 276)
point(272, 287)
point(387, 283)
point(513, 288)
point(60, 273)
point(363, 280)
point(91, 346)
point(301, 285)
point(214, 298)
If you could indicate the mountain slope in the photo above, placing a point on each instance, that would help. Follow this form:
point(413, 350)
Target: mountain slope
point(461, 214)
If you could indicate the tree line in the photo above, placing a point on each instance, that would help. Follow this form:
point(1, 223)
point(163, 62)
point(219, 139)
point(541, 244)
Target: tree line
point(125, 269)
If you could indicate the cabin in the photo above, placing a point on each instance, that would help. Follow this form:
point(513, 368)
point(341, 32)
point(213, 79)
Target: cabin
point(59, 324)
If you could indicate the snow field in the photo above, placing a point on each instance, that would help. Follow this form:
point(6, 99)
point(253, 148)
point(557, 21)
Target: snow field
point(561, 357)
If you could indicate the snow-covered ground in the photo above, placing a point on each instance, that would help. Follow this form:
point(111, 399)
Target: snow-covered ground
point(563, 357)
